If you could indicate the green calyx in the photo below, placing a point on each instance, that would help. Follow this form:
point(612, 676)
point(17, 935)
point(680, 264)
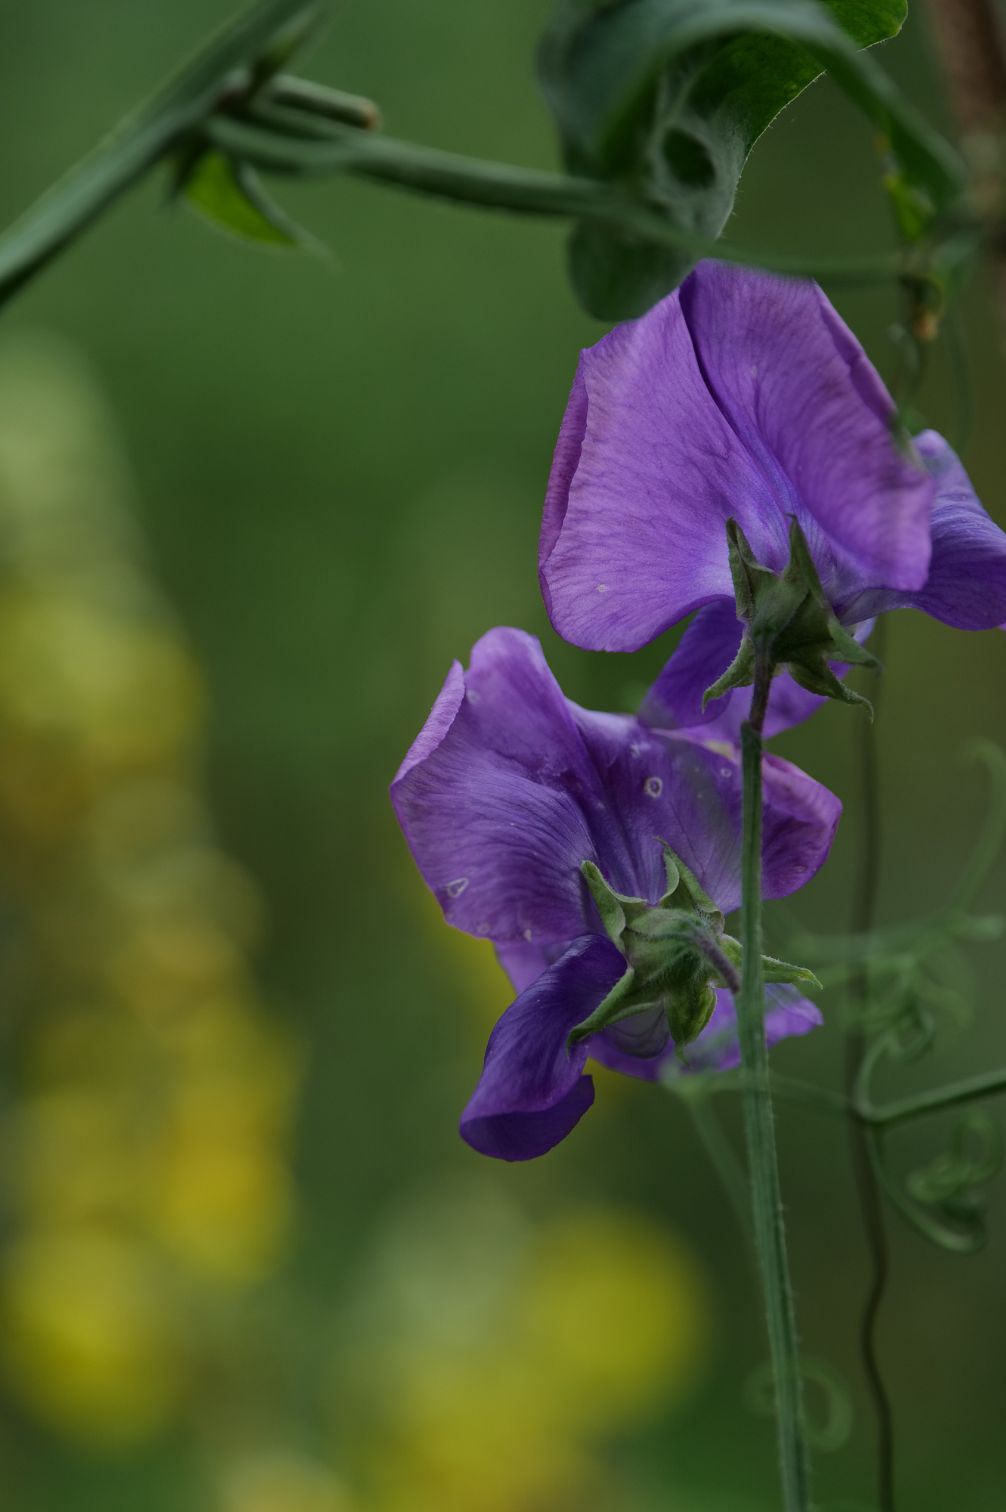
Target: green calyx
point(676, 953)
point(788, 620)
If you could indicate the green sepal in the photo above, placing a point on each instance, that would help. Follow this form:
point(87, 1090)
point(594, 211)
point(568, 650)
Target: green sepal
point(774, 970)
point(676, 954)
point(616, 909)
point(608, 1011)
point(689, 1013)
point(739, 674)
point(684, 889)
point(787, 617)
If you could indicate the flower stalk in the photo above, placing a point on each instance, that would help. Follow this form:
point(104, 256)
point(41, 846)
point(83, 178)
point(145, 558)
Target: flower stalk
point(769, 1228)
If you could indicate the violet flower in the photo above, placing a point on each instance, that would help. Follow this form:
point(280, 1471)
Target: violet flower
point(743, 395)
point(508, 790)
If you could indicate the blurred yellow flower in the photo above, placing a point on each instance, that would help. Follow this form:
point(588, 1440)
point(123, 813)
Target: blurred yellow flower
point(91, 694)
point(511, 1351)
point(148, 1130)
point(92, 1334)
point(619, 1308)
point(282, 1481)
point(222, 1203)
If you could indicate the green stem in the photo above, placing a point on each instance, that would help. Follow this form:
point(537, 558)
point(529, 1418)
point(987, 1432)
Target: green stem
point(859, 1106)
point(326, 104)
point(989, 1084)
point(501, 186)
point(239, 66)
point(770, 1236)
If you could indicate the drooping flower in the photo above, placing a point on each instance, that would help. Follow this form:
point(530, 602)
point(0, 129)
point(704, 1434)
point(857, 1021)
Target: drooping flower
point(556, 832)
point(744, 396)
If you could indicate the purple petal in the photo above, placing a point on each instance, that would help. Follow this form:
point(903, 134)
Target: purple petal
point(687, 792)
point(705, 651)
point(523, 963)
point(484, 798)
point(647, 472)
point(703, 654)
point(966, 586)
point(806, 400)
point(510, 788)
point(532, 1091)
point(740, 394)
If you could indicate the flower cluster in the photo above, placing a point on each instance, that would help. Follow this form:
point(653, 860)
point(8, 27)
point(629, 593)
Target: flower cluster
point(734, 456)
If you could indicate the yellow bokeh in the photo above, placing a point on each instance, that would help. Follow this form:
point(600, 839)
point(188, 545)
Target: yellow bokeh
point(92, 1335)
point(622, 1305)
point(147, 1135)
point(282, 1481)
point(513, 1350)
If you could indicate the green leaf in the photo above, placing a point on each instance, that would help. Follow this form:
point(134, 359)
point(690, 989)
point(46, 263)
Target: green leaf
point(666, 98)
point(229, 194)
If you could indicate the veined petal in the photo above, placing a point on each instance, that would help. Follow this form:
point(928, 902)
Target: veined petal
point(741, 394)
point(685, 791)
point(807, 403)
point(488, 798)
point(532, 1091)
point(966, 586)
point(646, 474)
point(510, 788)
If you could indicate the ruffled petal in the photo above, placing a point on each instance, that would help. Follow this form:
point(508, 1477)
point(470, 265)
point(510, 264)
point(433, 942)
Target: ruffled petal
point(966, 586)
point(743, 395)
point(532, 1091)
point(489, 798)
point(807, 403)
point(646, 474)
point(510, 788)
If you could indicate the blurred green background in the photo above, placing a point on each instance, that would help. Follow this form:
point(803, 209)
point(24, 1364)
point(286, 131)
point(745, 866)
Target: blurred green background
point(251, 506)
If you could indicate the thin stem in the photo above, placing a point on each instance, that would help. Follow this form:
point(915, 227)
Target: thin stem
point(234, 71)
point(989, 1084)
point(858, 1105)
point(327, 104)
point(770, 1236)
point(502, 186)
point(868, 1192)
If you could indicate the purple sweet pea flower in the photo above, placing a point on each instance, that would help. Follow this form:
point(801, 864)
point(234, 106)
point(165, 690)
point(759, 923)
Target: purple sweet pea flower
point(744, 395)
point(507, 791)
